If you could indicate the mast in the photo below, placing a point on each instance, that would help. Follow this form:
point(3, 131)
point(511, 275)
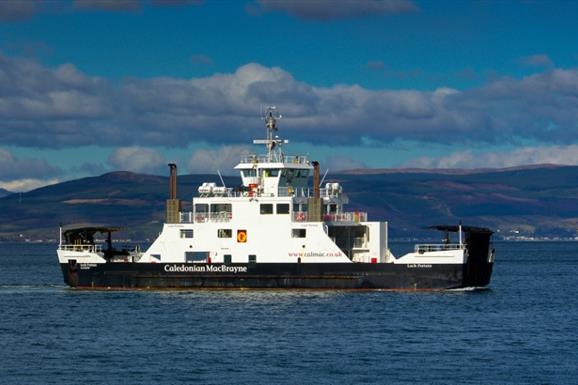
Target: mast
point(272, 143)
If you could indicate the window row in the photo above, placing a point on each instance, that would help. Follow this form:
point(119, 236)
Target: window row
point(204, 256)
point(267, 208)
point(228, 233)
point(274, 172)
point(225, 209)
point(201, 208)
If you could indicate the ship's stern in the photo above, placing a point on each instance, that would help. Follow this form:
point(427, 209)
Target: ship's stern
point(480, 262)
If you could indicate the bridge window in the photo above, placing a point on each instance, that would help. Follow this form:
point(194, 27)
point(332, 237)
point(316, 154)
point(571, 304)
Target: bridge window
point(266, 208)
point(221, 211)
point(187, 233)
point(250, 173)
point(252, 258)
point(201, 208)
point(225, 233)
point(273, 173)
point(221, 208)
point(298, 233)
point(301, 173)
point(282, 208)
point(289, 173)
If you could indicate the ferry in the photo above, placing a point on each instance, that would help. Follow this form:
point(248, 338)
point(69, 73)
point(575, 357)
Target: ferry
point(276, 230)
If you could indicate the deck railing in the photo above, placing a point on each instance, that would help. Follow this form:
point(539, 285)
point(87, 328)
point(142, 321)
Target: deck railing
point(296, 159)
point(424, 248)
point(189, 217)
point(281, 192)
point(355, 217)
point(298, 216)
point(82, 248)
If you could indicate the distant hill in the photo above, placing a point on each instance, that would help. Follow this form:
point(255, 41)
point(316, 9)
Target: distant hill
point(4, 192)
point(134, 201)
point(523, 201)
point(533, 201)
point(444, 171)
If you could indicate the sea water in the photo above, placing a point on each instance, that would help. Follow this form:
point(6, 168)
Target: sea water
point(522, 330)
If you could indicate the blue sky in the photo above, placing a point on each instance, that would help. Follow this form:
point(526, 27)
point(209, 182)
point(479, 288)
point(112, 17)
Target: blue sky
point(92, 86)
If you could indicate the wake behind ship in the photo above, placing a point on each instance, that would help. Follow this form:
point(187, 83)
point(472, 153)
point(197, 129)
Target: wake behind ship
point(275, 231)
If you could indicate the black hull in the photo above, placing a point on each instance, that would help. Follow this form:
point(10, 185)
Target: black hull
point(276, 276)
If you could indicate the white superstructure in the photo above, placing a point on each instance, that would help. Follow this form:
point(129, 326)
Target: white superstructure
point(274, 217)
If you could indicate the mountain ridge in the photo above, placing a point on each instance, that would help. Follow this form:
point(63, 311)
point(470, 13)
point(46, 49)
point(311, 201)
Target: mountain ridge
point(524, 201)
point(445, 171)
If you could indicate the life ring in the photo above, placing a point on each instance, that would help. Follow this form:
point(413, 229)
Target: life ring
point(253, 189)
point(241, 236)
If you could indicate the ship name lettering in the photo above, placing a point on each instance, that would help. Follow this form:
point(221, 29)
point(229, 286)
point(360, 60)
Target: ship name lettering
point(226, 269)
point(418, 266)
point(204, 269)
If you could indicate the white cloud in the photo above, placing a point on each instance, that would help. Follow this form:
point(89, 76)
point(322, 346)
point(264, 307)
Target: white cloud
point(13, 167)
point(23, 185)
point(224, 158)
point(563, 155)
point(340, 163)
point(61, 107)
point(137, 159)
point(51, 107)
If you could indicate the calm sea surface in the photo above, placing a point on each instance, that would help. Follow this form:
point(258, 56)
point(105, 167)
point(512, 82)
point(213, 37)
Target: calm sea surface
point(523, 330)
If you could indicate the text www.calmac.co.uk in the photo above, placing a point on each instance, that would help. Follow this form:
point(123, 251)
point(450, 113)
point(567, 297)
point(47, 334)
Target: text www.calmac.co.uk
point(314, 254)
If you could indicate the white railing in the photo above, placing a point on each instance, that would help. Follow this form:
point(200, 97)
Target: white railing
point(239, 193)
point(356, 217)
point(281, 192)
point(188, 217)
point(424, 248)
point(296, 159)
point(309, 192)
point(81, 248)
point(298, 216)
